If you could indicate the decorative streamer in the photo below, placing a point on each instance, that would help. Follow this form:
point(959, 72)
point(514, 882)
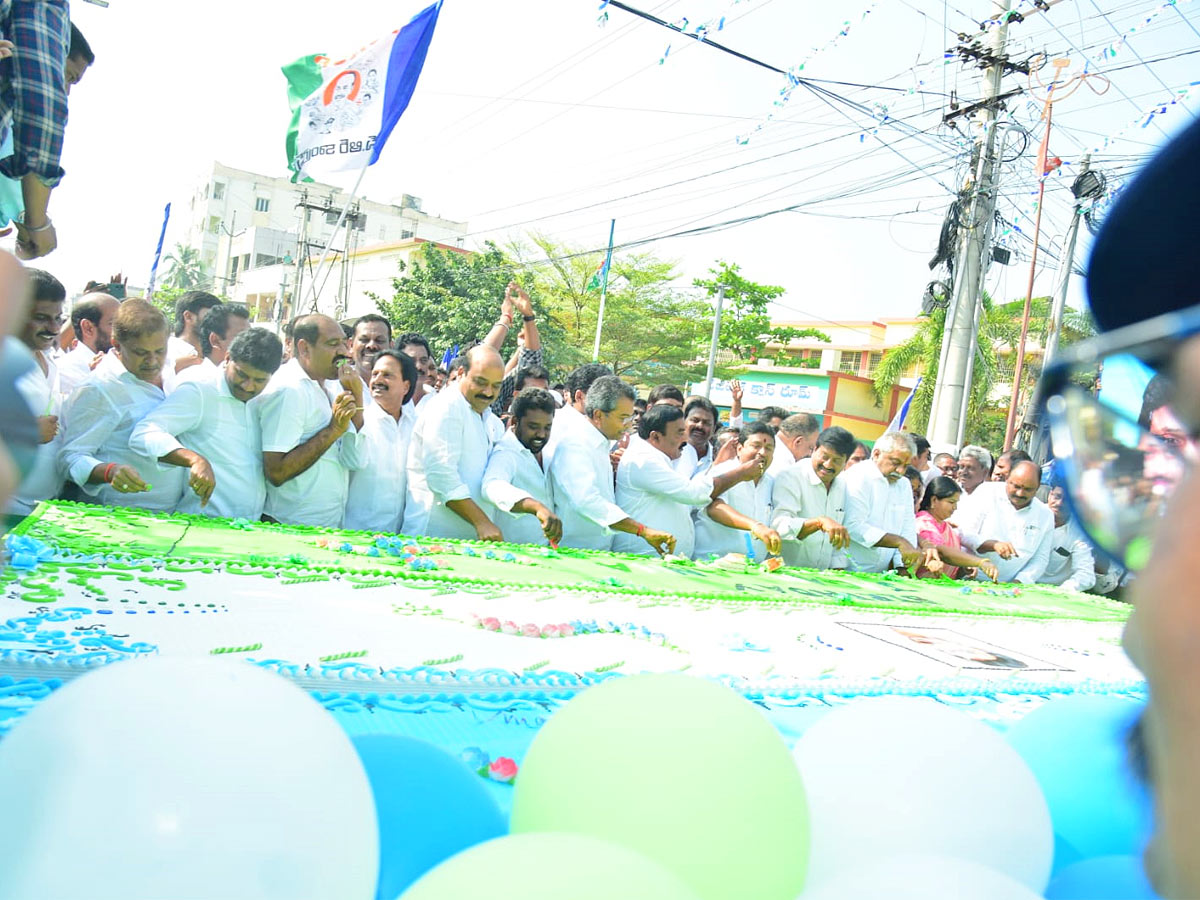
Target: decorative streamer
point(699, 31)
point(1160, 108)
point(1111, 50)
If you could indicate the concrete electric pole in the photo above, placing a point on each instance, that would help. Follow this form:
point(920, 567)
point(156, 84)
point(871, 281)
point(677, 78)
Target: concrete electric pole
point(947, 419)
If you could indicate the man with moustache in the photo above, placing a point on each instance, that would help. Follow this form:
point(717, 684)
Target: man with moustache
point(515, 482)
point(879, 509)
point(372, 335)
point(310, 441)
point(1014, 529)
point(210, 427)
point(649, 489)
point(449, 453)
point(810, 504)
point(378, 489)
point(795, 439)
point(101, 414)
point(414, 345)
point(39, 388)
point(218, 327)
point(745, 507)
point(91, 318)
point(699, 423)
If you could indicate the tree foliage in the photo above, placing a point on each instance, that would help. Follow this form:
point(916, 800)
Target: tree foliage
point(652, 331)
point(186, 270)
point(745, 320)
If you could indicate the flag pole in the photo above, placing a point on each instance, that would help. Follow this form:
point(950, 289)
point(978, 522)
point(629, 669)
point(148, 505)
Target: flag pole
point(158, 252)
point(603, 291)
point(341, 218)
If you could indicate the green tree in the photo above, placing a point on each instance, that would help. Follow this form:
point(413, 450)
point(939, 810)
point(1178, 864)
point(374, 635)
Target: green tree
point(450, 297)
point(745, 320)
point(186, 271)
point(652, 331)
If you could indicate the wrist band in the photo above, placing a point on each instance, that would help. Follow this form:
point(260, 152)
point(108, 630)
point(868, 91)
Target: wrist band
point(49, 224)
point(528, 318)
point(641, 530)
point(108, 473)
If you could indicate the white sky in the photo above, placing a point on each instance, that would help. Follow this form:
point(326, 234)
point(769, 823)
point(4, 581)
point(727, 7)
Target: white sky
point(527, 110)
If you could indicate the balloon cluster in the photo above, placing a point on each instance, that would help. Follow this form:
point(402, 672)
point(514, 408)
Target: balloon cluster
point(207, 778)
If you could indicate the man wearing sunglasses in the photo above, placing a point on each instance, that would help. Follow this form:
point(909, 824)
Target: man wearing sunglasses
point(1143, 289)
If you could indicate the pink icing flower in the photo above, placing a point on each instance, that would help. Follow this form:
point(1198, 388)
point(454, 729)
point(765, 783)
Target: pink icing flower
point(475, 621)
point(550, 631)
point(531, 630)
point(565, 630)
point(510, 628)
point(503, 770)
point(491, 623)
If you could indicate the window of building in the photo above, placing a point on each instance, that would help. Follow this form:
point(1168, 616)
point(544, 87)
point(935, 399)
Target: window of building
point(405, 235)
point(331, 217)
point(262, 204)
point(848, 361)
point(214, 224)
point(218, 190)
point(873, 362)
point(360, 222)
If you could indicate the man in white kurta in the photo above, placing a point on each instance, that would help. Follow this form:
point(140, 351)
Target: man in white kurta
point(39, 388)
point(879, 508)
point(449, 453)
point(378, 490)
point(516, 485)
point(311, 441)
point(650, 490)
point(699, 423)
point(100, 415)
point(810, 504)
point(1072, 564)
point(1014, 529)
point(795, 439)
point(211, 428)
point(751, 498)
point(91, 317)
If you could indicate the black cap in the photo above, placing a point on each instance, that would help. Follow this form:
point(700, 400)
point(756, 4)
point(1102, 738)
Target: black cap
point(1145, 261)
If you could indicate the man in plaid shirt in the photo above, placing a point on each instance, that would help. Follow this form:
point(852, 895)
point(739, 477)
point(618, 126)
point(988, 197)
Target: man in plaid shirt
point(34, 81)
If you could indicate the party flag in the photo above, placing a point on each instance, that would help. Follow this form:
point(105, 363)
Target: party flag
point(344, 108)
point(598, 277)
point(898, 422)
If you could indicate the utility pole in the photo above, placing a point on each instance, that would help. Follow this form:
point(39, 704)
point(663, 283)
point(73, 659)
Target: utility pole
point(947, 419)
point(301, 254)
point(1065, 264)
point(612, 228)
point(712, 348)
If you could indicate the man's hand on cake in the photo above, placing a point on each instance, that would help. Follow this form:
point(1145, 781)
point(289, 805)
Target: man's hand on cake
point(1003, 549)
point(909, 555)
point(202, 480)
point(487, 531)
point(839, 537)
point(127, 480)
point(551, 524)
point(768, 536)
point(988, 568)
point(662, 542)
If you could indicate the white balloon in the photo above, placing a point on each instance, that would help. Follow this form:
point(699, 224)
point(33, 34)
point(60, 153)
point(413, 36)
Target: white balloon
point(172, 778)
point(901, 775)
point(920, 877)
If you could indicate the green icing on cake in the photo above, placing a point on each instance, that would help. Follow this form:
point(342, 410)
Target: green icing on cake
point(133, 541)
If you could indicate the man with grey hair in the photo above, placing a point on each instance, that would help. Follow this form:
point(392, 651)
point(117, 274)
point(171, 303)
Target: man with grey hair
point(581, 474)
point(879, 510)
point(795, 440)
point(974, 468)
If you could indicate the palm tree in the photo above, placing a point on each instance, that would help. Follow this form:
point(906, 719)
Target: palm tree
point(187, 270)
point(924, 350)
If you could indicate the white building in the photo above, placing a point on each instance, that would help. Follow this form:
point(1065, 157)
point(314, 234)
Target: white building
point(251, 229)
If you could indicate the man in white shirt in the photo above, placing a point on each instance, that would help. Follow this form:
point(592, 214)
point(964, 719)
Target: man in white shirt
point(39, 388)
point(100, 415)
point(810, 504)
point(570, 420)
point(581, 475)
point(378, 489)
point(649, 489)
point(414, 345)
point(795, 439)
point(91, 318)
point(449, 453)
point(974, 469)
point(210, 427)
point(737, 522)
point(1014, 529)
point(879, 509)
point(183, 347)
point(699, 423)
point(1072, 564)
point(218, 327)
point(515, 483)
point(310, 442)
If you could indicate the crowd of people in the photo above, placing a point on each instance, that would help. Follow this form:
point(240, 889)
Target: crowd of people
point(357, 427)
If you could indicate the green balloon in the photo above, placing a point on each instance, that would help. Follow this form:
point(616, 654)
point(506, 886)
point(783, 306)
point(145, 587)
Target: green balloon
point(682, 770)
point(548, 867)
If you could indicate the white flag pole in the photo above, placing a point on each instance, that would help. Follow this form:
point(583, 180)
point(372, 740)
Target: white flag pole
point(341, 218)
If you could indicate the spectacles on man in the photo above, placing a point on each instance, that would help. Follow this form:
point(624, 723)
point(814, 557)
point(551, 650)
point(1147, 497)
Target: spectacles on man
point(1115, 431)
